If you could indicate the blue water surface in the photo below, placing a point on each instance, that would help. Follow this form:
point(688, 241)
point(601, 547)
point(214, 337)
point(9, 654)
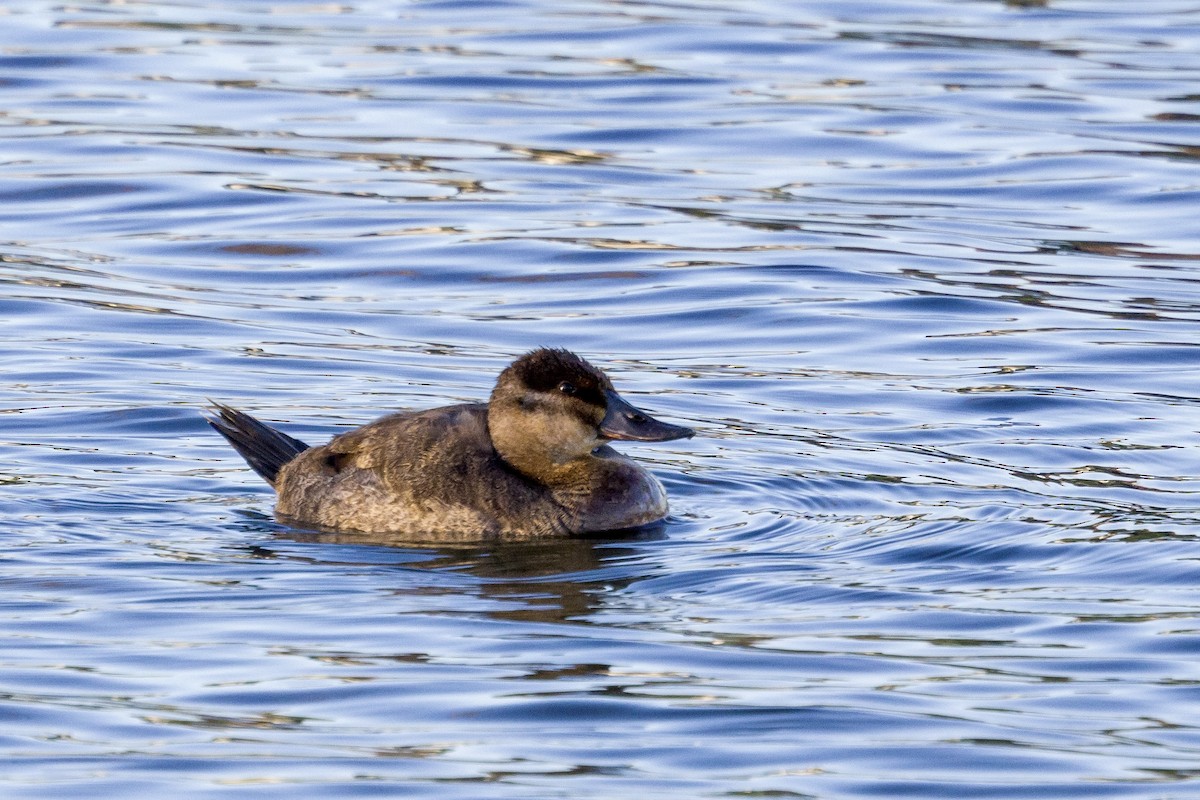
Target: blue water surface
point(924, 274)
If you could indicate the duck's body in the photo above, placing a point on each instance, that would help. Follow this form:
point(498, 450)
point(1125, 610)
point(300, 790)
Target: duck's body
point(532, 462)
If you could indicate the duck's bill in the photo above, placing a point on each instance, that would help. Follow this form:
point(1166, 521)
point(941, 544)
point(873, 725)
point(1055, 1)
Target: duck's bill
point(623, 421)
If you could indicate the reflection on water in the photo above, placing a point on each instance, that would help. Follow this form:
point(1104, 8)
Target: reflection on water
point(922, 274)
point(551, 581)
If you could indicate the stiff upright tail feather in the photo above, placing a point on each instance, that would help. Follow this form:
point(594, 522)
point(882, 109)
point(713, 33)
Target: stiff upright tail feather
point(265, 449)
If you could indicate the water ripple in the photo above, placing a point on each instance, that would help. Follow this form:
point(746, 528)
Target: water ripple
point(922, 274)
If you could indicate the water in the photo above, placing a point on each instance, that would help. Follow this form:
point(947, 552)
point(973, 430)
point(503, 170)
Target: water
point(923, 274)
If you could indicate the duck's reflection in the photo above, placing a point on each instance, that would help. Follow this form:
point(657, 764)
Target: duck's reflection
point(553, 580)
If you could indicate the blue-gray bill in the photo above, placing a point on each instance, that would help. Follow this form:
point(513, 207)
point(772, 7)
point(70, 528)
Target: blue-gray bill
point(623, 421)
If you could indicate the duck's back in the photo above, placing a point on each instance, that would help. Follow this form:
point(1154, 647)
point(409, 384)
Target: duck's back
point(433, 473)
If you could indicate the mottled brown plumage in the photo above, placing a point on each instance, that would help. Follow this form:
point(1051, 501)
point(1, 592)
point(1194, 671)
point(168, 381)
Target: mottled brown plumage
point(532, 462)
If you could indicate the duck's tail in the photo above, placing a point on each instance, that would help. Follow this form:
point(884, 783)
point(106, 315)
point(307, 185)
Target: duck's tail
point(265, 449)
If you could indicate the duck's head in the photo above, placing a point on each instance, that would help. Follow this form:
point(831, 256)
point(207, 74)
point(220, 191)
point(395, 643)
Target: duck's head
point(550, 407)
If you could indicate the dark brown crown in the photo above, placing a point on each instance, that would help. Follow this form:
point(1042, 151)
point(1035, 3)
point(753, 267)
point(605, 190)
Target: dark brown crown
point(546, 370)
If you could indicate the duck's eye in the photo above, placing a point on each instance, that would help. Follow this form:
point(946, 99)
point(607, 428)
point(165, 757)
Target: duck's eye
point(567, 388)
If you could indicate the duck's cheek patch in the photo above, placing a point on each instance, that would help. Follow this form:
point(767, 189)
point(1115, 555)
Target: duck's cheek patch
point(530, 402)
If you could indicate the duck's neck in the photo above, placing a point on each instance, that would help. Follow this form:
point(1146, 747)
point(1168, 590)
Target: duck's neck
point(525, 448)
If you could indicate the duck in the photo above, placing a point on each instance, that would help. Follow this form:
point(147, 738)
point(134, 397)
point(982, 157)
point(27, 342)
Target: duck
point(532, 462)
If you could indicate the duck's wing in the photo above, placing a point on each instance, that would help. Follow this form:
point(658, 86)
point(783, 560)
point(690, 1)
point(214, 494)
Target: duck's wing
point(428, 469)
point(410, 446)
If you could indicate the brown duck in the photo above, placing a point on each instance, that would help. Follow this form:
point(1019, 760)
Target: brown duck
point(531, 462)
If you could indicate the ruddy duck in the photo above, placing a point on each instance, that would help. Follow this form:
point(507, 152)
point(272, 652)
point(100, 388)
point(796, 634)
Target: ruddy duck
point(531, 462)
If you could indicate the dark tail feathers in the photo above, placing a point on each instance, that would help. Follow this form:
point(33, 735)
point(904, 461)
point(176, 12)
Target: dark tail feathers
point(265, 449)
